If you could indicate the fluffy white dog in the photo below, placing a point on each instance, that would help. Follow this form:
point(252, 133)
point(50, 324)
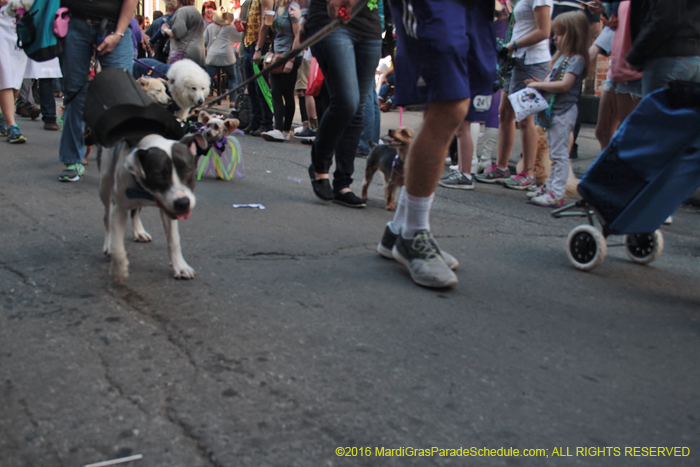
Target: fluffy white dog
point(188, 83)
point(16, 7)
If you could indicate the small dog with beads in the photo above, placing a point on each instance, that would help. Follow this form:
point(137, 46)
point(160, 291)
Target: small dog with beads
point(389, 158)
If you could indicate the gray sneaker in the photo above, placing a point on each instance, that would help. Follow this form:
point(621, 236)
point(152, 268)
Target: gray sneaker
point(389, 240)
point(493, 174)
point(421, 255)
point(457, 180)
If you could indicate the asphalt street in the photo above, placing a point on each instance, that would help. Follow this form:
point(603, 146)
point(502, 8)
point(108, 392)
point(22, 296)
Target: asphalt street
point(296, 338)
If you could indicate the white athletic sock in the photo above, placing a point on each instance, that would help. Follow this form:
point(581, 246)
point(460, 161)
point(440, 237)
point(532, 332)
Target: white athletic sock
point(400, 215)
point(417, 215)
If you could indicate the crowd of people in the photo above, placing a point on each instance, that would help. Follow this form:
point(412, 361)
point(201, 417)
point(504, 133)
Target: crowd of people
point(446, 58)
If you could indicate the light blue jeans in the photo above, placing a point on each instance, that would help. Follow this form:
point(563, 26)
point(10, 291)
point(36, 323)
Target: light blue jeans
point(79, 46)
point(659, 71)
point(348, 62)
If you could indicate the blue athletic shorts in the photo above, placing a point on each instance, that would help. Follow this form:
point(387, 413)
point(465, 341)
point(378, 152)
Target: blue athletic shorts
point(443, 52)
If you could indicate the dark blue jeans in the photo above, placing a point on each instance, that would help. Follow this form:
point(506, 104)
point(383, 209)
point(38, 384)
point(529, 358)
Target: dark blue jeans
point(386, 87)
point(372, 124)
point(46, 99)
point(348, 62)
point(261, 115)
point(78, 47)
point(150, 68)
point(230, 76)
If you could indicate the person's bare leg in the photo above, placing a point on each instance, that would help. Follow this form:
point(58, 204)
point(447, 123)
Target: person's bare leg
point(607, 118)
point(626, 103)
point(465, 147)
point(425, 159)
point(528, 135)
point(310, 103)
point(415, 247)
point(7, 105)
point(506, 131)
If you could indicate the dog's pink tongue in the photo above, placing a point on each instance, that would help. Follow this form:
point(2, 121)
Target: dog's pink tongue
point(183, 216)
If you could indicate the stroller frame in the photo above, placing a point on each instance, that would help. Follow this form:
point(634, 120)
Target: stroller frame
point(586, 246)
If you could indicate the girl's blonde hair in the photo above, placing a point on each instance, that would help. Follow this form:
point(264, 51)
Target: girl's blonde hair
point(573, 26)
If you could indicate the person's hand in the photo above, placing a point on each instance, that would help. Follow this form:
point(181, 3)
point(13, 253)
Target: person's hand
point(288, 67)
point(294, 12)
point(256, 56)
point(334, 7)
point(532, 82)
point(165, 29)
point(108, 44)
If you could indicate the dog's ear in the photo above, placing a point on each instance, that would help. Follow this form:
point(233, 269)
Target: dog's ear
point(132, 163)
point(143, 82)
point(164, 81)
point(230, 125)
point(196, 143)
point(203, 116)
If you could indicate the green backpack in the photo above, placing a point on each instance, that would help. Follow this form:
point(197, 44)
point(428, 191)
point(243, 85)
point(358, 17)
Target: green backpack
point(35, 33)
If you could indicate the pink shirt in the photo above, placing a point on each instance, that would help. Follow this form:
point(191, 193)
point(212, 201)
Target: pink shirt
point(620, 71)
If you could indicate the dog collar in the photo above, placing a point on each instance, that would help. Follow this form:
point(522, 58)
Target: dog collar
point(138, 192)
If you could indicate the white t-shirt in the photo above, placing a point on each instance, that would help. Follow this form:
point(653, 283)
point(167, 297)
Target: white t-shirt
point(524, 24)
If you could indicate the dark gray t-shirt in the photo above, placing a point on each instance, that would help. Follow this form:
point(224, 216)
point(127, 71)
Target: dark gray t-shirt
point(284, 34)
point(565, 100)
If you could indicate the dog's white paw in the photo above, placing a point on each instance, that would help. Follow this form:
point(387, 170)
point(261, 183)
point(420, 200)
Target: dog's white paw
point(142, 236)
point(183, 271)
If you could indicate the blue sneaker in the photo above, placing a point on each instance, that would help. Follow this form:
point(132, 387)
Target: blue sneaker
point(14, 135)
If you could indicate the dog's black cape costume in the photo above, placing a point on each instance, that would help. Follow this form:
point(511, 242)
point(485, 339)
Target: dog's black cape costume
point(116, 109)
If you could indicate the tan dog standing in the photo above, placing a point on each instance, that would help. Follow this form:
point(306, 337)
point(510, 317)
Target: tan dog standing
point(217, 128)
point(389, 159)
point(543, 165)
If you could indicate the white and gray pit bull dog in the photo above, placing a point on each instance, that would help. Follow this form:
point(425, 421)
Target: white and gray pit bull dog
point(156, 172)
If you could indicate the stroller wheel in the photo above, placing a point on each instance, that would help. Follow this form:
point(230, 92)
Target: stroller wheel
point(586, 247)
point(644, 248)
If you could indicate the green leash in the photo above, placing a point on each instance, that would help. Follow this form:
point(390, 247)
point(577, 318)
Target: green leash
point(264, 88)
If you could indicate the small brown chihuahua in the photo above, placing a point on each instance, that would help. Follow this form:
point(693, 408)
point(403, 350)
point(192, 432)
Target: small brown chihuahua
point(389, 158)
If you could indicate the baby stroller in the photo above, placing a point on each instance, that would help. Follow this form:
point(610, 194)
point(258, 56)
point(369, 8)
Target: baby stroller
point(649, 168)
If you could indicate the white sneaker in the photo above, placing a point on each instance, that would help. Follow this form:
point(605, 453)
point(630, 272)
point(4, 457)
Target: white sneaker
point(547, 200)
point(669, 220)
point(275, 135)
point(537, 191)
